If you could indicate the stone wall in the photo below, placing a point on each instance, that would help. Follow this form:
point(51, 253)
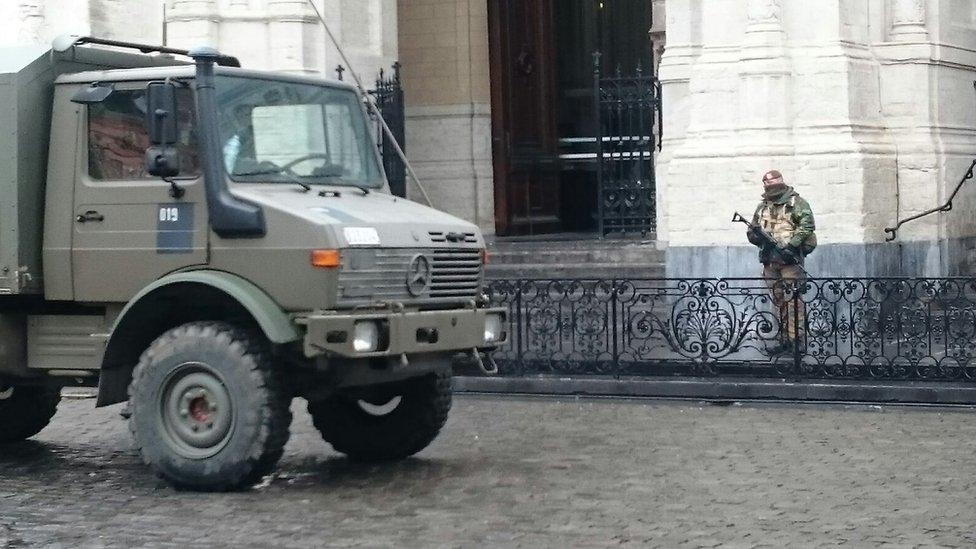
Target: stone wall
point(866, 106)
point(285, 35)
point(40, 21)
point(444, 51)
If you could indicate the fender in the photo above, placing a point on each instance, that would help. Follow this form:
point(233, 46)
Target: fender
point(274, 322)
point(124, 344)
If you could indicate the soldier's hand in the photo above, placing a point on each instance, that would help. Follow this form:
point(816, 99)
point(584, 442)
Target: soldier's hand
point(795, 252)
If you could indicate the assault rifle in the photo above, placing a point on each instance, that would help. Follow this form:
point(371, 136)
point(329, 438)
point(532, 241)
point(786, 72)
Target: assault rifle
point(783, 251)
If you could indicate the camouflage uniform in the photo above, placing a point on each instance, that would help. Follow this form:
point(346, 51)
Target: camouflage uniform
point(788, 218)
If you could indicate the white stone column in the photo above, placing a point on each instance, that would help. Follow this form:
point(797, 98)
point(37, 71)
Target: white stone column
point(193, 23)
point(132, 20)
point(683, 32)
point(908, 20)
point(705, 177)
point(291, 32)
point(31, 17)
point(846, 158)
point(930, 108)
point(285, 35)
point(793, 86)
point(765, 85)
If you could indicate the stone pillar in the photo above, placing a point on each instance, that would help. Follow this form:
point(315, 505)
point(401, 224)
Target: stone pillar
point(446, 81)
point(40, 21)
point(193, 23)
point(683, 48)
point(31, 17)
point(132, 20)
point(765, 84)
point(908, 21)
point(929, 105)
point(792, 86)
point(285, 35)
point(291, 30)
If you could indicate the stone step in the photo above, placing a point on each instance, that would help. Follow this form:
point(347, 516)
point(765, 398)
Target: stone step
point(577, 244)
point(625, 255)
point(588, 270)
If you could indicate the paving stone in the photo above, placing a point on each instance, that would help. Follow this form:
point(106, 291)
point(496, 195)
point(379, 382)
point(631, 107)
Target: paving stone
point(524, 472)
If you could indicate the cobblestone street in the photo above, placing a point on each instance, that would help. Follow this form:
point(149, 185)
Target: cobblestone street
point(531, 472)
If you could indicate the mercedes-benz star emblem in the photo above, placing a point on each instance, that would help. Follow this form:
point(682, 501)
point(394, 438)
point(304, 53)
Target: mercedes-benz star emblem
point(419, 275)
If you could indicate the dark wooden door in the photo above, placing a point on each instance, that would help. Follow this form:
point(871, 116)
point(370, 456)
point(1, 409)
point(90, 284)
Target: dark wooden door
point(524, 139)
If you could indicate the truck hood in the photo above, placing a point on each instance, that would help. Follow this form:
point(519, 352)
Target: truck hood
point(353, 216)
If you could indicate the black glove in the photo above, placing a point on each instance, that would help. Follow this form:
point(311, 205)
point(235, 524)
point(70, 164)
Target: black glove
point(753, 236)
point(793, 254)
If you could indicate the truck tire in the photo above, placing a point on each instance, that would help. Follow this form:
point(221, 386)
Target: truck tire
point(24, 411)
point(387, 422)
point(208, 413)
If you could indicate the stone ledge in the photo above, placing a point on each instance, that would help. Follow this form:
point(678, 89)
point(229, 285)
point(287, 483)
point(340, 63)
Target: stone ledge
point(728, 389)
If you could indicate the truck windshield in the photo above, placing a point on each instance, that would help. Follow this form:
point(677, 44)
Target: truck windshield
point(285, 132)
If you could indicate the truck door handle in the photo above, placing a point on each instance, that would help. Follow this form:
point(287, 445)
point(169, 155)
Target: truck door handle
point(90, 215)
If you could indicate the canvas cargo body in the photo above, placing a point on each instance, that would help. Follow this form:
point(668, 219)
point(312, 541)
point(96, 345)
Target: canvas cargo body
point(204, 243)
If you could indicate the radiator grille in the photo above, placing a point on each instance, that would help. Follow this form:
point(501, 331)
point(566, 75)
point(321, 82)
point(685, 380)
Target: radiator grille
point(457, 273)
point(370, 275)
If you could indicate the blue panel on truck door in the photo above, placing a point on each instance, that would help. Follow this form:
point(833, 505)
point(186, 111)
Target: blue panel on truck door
point(174, 228)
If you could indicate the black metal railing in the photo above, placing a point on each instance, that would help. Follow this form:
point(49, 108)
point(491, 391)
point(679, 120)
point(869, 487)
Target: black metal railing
point(628, 120)
point(871, 328)
point(388, 94)
point(389, 98)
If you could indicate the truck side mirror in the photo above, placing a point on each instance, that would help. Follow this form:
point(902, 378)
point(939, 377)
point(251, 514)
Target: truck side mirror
point(162, 159)
point(161, 113)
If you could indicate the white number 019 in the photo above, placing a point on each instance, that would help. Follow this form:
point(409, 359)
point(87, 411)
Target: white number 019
point(169, 214)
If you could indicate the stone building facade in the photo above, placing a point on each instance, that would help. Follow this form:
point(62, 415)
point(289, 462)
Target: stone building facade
point(285, 35)
point(40, 21)
point(867, 106)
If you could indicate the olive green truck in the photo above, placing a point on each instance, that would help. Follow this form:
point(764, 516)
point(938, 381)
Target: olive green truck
point(205, 243)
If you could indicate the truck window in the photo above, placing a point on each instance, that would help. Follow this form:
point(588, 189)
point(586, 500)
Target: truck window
point(117, 138)
point(273, 132)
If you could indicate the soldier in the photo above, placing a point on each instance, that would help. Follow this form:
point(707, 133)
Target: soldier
point(787, 217)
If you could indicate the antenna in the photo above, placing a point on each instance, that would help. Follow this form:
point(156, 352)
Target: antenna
point(369, 101)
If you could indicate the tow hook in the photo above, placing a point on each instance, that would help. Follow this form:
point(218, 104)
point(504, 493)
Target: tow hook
point(492, 367)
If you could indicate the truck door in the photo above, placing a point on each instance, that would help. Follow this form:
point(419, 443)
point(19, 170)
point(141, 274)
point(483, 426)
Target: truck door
point(128, 228)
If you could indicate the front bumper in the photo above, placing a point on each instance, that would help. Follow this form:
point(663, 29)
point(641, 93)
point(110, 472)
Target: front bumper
point(407, 332)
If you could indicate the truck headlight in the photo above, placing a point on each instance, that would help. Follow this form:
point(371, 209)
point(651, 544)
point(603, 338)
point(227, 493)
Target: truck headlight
point(494, 328)
point(366, 336)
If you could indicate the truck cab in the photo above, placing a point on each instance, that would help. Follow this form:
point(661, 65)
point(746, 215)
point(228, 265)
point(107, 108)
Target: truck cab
point(217, 241)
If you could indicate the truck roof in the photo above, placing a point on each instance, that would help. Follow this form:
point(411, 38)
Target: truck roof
point(187, 71)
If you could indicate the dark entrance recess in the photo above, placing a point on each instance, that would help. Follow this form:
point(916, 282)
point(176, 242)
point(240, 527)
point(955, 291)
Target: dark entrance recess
point(544, 124)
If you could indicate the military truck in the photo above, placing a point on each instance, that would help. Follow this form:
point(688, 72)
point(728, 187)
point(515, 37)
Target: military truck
point(205, 243)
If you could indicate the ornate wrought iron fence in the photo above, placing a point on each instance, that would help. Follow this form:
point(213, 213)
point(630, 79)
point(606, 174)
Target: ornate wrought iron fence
point(628, 115)
point(892, 329)
point(389, 98)
point(388, 94)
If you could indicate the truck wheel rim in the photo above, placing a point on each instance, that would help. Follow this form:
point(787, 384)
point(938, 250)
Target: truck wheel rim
point(6, 392)
point(196, 411)
point(380, 409)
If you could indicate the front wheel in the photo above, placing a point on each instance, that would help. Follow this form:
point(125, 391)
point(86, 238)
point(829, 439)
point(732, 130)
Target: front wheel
point(387, 422)
point(208, 413)
point(24, 411)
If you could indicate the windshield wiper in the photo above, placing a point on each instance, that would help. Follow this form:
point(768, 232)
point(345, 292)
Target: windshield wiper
point(271, 171)
point(276, 171)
